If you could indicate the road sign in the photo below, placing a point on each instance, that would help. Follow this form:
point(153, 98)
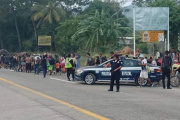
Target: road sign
point(44, 40)
point(153, 36)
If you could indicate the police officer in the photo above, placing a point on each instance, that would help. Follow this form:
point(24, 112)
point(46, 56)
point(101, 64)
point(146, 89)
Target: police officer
point(116, 66)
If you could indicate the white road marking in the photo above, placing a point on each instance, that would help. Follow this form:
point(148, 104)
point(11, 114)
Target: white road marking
point(57, 79)
point(61, 80)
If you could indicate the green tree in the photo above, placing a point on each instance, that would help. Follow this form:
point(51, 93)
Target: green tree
point(51, 14)
point(15, 23)
point(99, 30)
point(74, 7)
point(110, 7)
point(65, 31)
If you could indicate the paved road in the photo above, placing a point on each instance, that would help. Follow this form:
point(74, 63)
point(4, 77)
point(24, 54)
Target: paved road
point(26, 96)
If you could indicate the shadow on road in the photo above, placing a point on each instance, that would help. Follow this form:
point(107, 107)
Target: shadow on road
point(122, 84)
point(106, 83)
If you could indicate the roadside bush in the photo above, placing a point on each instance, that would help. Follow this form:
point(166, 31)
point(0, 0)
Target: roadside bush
point(143, 47)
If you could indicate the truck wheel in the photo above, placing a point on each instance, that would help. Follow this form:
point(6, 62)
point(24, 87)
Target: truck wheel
point(90, 79)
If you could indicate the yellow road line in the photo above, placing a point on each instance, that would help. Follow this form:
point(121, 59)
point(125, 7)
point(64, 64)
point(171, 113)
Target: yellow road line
point(57, 100)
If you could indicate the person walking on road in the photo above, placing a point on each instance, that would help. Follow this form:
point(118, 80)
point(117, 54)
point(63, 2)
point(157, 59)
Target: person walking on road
point(144, 71)
point(73, 67)
point(57, 67)
point(28, 64)
point(44, 65)
point(63, 61)
point(116, 66)
point(37, 62)
point(69, 66)
point(78, 61)
point(23, 63)
point(51, 65)
point(166, 69)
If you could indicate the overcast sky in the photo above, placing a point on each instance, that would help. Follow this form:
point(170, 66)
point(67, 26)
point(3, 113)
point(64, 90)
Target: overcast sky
point(128, 2)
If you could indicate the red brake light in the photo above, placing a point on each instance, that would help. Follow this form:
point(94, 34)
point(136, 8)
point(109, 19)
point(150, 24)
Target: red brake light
point(157, 70)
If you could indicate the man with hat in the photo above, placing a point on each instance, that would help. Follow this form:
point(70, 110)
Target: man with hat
point(144, 72)
point(116, 66)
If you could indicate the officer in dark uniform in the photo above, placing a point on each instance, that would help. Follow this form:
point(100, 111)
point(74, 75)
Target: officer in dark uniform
point(116, 66)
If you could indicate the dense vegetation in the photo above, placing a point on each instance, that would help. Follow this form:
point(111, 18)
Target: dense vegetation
point(75, 25)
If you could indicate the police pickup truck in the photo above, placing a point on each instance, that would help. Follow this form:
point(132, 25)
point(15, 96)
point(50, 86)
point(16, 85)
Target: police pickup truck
point(130, 72)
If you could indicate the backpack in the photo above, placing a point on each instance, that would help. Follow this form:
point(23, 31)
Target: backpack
point(167, 62)
point(91, 61)
point(52, 61)
point(148, 69)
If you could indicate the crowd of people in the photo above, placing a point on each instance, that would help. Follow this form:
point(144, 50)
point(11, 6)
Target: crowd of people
point(157, 59)
point(165, 61)
point(47, 63)
point(24, 62)
point(99, 59)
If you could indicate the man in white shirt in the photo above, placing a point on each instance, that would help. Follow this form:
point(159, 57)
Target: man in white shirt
point(37, 64)
point(144, 72)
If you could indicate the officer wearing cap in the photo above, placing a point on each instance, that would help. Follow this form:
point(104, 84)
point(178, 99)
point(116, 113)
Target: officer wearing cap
point(116, 66)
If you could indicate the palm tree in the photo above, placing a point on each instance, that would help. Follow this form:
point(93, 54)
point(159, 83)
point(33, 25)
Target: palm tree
point(100, 30)
point(50, 13)
point(113, 29)
point(91, 30)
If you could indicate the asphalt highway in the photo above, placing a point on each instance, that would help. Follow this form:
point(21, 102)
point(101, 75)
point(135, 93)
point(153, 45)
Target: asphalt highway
point(25, 96)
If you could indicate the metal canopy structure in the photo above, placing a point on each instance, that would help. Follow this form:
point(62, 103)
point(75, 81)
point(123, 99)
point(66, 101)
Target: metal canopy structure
point(150, 19)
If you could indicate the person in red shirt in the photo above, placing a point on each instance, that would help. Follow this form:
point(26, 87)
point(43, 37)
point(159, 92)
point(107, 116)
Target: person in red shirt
point(63, 61)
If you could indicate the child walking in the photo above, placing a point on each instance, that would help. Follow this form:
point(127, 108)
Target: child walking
point(57, 66)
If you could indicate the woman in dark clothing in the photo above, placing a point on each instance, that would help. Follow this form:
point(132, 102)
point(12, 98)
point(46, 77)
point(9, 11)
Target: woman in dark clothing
point(97, 61)
point(44, 65)
point(150, 60)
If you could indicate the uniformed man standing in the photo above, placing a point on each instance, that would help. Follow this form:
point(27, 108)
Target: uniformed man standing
point(116, 66)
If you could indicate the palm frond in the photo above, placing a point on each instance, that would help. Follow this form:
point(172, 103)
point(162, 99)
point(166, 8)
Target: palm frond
point(60, 11)
point(56, 15)
point(41, 14)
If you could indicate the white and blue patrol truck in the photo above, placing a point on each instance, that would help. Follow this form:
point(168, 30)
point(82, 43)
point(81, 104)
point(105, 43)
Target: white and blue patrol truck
point(130, 72)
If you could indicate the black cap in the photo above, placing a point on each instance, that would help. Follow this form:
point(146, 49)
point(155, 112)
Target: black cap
point(117, 56)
